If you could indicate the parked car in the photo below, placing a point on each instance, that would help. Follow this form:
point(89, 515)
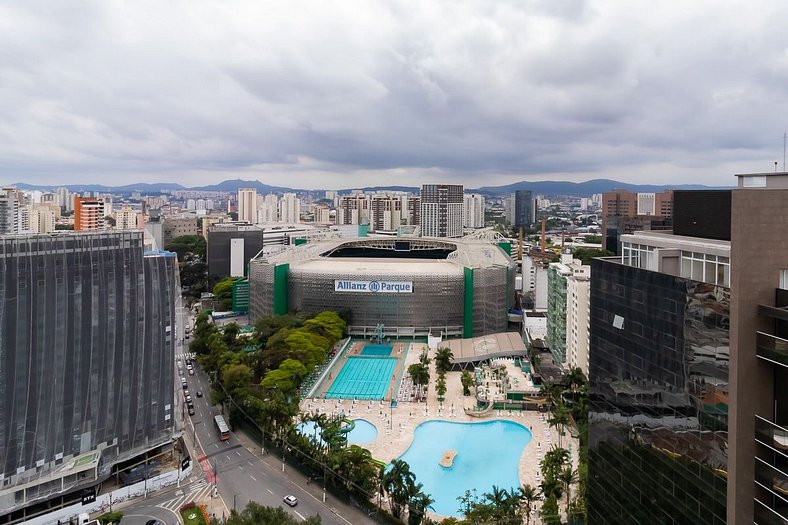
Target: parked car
point(191, 411)
point(198, 393)
point(290, 500)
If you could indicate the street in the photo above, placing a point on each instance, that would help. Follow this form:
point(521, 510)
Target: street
point(239, 474)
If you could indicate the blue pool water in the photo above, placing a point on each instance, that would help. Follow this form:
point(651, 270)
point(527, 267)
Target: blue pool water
point(380, 350)
point(364, 432)
point(363, 377)
point(488, 454)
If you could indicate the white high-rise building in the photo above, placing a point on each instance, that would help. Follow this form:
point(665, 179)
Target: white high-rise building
point(65, 199)
point(473, 211)
point(268, 209)
point(41, 219)
point(247, 205)
point(125, 218)
point(290, 209)
point(9, 211)
point(191, 204)
point(441, 210)
point(578, 308)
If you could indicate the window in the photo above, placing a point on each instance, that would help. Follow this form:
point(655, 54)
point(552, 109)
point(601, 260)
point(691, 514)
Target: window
point(705, 268)
point(784, 279)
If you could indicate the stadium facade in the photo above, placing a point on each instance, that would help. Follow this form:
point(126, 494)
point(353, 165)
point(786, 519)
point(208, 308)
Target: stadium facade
point(412, 286)
point(86, 346)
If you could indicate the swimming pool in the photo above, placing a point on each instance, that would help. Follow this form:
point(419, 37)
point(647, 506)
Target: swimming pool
point(380, 350)
point(363, 377)
point(364, 432)
point(488, 454)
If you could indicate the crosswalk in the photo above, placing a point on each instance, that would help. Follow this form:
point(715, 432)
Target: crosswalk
point(185, 355)
point(197, 491)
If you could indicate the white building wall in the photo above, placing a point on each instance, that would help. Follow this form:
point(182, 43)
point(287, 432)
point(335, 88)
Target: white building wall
point(473, 211)
point(290, 209)
point(540, 288)
point(247, 205)
point(578, 306)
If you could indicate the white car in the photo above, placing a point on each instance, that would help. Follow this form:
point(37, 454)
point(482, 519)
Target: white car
point(290, 500)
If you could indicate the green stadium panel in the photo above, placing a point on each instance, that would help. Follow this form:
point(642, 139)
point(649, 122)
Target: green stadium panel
point(467, 326)
point(299, 242)
point(280, 288)
point(506, 247)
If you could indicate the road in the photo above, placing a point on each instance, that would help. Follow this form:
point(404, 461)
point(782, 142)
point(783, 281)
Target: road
point(242, 476)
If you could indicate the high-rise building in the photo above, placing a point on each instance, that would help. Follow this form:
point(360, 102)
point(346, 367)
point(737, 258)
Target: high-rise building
point(267, 209)
point(247, 205)
point(9, 211)
point(89, 213)
point(64, 199)
point(758, 430)
point(473, 211)
point(625, 212)
point(41, 219)
point(662, 335)
point(441, 210)
point(385, 212)
point(126, 218)
point(578, 325)
point(524, 206)
point(353, 209)
point(558, 301)
point(290, 209)
point(86, 383)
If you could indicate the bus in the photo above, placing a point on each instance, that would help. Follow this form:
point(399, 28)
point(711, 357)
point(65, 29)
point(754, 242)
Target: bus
point(221, 428)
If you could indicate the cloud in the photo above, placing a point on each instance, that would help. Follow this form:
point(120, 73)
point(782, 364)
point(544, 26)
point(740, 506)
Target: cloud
point(350, 93)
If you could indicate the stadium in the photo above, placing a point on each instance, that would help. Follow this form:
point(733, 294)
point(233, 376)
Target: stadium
point(404, 287)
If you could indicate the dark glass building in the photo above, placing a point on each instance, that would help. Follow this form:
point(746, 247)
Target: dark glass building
point(524, 209)
point(658, 409)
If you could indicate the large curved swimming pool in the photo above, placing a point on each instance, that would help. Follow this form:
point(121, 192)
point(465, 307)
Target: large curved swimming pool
point(488, 454)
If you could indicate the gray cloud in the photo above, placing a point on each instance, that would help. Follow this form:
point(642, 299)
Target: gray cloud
point(353, 93)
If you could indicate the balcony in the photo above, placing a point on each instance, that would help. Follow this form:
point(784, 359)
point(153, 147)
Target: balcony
point(772, 348)
point(771, 464)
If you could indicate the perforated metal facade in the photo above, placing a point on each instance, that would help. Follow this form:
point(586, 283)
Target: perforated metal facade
point(86, 356)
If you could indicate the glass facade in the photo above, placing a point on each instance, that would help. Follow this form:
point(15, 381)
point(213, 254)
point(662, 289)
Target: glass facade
point(86, 348)
point(658, 399)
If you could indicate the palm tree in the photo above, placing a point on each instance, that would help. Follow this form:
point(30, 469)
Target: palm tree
point(420, 375)
point(467, 382)
point(567, 476)
point(418, 503)
point(397, 481)
point(528, 495)
point(575, 379)
point(443, 359)
point(559, 419)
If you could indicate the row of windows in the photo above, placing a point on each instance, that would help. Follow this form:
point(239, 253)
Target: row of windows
point(707, 268)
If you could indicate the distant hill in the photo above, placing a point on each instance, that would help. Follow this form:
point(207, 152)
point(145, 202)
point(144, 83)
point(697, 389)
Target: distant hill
point(547, 188)
point(584, 189)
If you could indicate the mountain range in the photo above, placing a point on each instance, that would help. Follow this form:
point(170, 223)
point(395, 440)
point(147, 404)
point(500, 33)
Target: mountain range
point(546, 188)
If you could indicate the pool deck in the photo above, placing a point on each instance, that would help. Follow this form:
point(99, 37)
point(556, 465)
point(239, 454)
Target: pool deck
point(396, 425)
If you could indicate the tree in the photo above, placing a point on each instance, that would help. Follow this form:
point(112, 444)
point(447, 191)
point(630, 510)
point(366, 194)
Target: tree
point(440, 387)
point(256, 514)
point(396, 481)
point(420, 375)
point(559, 419)
point(567, 476)
point(586, 254)
point(418, 503)
point(186, 245)
point(223, 294)
point(443, 359)
point(549, 512)
point(528, 495)
point(110, 220)
point(467, 382)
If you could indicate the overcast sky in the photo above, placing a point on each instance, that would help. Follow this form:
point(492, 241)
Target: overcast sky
point(328, 94)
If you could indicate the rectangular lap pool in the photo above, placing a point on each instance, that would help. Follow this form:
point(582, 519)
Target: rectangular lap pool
point(381, 350)
point(363, 377)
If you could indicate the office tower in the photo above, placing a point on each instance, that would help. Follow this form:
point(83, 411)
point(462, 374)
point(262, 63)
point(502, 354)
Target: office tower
point(659, 398)
point(89, 213)
point(473, 211)
point(758, 430)
point(247, 205)
point(385, 212)
point(290, 209)
point(441, 210)
point(524, 206)
point(626, 212)
point(126, 218)
point(9, 211)
point(86, 338)
point(558, 277)
point(353, 209)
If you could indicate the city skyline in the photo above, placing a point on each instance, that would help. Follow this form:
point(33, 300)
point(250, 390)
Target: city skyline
point(334, 95)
